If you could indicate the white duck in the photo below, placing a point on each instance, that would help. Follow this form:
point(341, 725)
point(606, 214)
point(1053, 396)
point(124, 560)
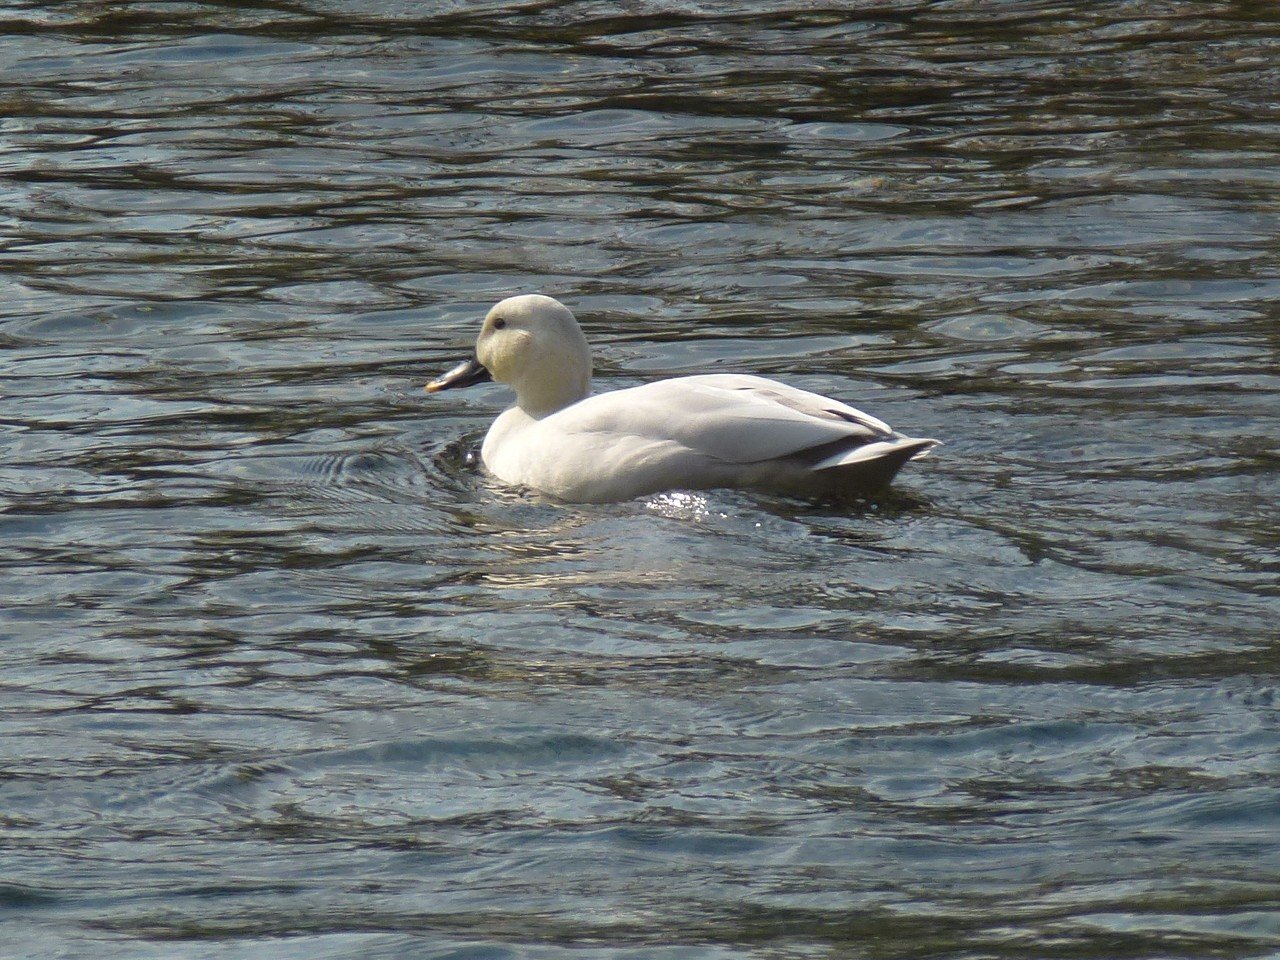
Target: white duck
point(719, 430)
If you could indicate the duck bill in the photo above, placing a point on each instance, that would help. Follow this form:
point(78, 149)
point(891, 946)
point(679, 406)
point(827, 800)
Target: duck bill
point(466, 374)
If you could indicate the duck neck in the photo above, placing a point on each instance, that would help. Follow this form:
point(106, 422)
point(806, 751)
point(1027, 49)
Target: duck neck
point(552, 393)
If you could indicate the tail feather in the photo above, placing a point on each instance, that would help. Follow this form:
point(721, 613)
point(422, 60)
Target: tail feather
point(897, 451)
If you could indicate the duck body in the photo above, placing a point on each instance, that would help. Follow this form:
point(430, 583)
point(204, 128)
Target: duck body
point(699, 432)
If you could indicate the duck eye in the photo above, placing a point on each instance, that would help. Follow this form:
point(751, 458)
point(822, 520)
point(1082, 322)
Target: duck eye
point(499, 323)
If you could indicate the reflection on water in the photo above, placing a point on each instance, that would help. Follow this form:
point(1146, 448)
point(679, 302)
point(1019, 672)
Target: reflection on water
point(284, 672)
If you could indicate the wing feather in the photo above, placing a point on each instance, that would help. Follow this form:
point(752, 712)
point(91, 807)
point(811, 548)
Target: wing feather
point(727, 417)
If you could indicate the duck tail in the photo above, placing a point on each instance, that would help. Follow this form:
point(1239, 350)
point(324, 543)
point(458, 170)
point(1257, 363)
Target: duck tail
point(875, 464)
point(898, 450)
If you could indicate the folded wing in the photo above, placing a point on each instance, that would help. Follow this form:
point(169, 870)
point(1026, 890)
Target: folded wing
point(735, 419)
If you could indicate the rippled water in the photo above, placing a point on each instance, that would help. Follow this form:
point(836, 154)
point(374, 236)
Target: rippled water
point(283, 675)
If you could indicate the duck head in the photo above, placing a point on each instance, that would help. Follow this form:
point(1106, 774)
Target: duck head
point(534, 345)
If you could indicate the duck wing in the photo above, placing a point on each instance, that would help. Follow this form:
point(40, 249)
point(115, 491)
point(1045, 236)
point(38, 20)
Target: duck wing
point(732, 418)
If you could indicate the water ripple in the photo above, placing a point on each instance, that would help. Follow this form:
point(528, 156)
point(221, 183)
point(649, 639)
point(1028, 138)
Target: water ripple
point(281, 663)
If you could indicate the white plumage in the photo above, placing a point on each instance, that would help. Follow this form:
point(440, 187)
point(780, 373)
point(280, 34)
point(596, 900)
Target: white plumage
point(720, 430)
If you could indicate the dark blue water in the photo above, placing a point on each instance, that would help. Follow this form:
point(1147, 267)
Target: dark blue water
point(282, 674)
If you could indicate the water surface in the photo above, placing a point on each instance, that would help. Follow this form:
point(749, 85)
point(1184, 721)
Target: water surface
point(283, 674)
